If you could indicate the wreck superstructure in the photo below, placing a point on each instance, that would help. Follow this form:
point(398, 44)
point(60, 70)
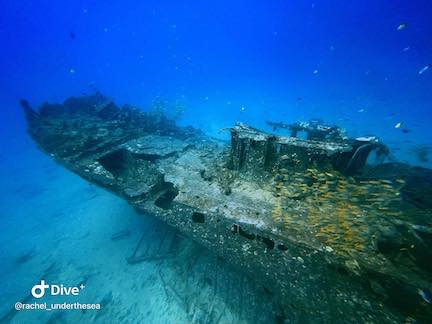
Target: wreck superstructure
point(323, 147)
point(329, 236)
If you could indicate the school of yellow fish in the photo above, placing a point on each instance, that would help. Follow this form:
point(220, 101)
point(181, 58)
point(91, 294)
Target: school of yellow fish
point(341, 213)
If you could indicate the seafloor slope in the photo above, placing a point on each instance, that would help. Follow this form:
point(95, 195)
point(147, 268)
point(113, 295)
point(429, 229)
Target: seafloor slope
point(328, 235)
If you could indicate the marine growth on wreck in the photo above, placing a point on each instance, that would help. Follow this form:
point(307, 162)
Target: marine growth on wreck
point(289, 211)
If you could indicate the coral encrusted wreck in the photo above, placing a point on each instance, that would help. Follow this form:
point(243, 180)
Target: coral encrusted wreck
point(328, 235)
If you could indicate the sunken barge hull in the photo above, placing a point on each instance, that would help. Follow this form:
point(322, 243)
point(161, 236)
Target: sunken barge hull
point(303, 217)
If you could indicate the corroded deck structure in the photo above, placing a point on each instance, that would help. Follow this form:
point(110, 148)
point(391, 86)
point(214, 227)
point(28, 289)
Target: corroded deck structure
point(331, 237)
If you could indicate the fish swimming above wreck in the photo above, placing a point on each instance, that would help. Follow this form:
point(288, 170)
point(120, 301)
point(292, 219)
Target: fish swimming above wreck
point(307, 217)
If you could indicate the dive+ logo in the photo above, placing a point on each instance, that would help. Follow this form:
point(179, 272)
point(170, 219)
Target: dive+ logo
point(38, 291)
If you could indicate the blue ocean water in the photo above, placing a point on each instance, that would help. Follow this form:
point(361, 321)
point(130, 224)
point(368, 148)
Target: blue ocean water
point(217, 58)
point(363, 65)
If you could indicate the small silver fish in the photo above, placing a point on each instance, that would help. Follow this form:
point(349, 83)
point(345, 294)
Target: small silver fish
point(426, 295)
point(424, 69)
point(401, 26)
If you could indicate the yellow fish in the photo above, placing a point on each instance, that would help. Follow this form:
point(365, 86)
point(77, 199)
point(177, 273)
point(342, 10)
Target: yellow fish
point(398, 125)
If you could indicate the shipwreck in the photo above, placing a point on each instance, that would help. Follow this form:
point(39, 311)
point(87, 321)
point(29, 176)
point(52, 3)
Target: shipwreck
point(330, 235)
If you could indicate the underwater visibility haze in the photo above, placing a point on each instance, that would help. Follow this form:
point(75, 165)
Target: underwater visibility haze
point(216, 162)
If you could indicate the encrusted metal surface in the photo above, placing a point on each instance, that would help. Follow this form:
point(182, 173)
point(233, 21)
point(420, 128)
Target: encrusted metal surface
point(328, 236)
